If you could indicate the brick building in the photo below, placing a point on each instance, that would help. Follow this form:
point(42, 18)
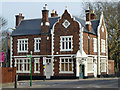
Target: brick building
point(72, 47)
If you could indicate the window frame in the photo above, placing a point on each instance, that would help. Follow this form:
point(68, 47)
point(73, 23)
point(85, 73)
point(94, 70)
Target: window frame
point(64, 65)
point(22, 63)
point(103, 61)
point(102, 45)
point(95, 44)
point(61, 43)
point(22, 51)
point(35, 39)
point(36, 61)
point(92, 65)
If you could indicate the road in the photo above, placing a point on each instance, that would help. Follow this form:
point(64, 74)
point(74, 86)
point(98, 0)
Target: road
point(76, 83)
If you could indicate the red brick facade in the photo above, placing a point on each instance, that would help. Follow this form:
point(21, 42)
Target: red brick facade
point(50, 45)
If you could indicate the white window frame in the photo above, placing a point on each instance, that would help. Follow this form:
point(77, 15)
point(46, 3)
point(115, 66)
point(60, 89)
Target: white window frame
point(103, 61)
point(95, 44)
point(64, 64)
point(61, 43)
point(36, 60)
point(90, 58)
point(23, 70)
point(21, 40)
point(102, 45)
point(35, 39)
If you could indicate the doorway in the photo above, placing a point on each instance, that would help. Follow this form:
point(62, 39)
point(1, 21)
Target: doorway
point(81, 71)
point(48, 69)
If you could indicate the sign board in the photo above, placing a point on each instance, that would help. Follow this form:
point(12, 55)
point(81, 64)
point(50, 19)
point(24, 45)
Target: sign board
point(44, 60)
point(1, 56)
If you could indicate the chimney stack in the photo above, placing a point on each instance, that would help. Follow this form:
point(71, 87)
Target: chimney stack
point(45, 21)
point(92, 16)
point(88, 20)
point(54, 13)
point(19, 18)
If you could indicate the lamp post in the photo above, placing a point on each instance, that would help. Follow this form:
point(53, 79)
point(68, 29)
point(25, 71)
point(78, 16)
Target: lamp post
point(30, 56)
point(7, 44)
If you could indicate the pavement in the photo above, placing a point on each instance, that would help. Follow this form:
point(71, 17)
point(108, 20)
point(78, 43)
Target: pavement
point(67, 83)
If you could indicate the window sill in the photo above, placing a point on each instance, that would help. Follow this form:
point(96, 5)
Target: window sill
point(66, 50)
point(22, 51)
point(91, 72)
point(36, 72)
point(65, 72)
point(22, 72)
point(37, 51)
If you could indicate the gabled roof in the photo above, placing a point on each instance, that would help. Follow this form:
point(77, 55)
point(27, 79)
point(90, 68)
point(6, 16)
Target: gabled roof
point(33, 26)
point(94, 23)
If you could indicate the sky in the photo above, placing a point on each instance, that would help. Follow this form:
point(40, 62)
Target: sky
point(32, 10)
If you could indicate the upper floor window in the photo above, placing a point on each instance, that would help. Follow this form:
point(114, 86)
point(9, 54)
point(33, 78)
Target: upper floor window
point(37, 44)
point(102, 29)
point(95, 44)
point(66, 43)
point(102, 46)
point(22, 45)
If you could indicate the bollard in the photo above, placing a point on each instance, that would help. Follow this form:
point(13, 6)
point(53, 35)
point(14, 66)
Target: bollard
point(16, 78)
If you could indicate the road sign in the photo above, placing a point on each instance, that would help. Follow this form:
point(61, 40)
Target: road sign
point(44, 60)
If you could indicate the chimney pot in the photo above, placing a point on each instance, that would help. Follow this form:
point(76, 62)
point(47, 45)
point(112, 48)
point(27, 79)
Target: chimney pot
point(19, 18)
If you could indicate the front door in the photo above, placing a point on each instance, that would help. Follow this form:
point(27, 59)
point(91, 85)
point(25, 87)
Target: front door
point(48, 69)
point(81, 71)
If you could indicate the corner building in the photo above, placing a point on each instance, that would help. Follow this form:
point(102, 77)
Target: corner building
point(72, 47)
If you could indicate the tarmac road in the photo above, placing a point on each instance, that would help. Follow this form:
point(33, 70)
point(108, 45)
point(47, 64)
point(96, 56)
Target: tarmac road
point(71, 83)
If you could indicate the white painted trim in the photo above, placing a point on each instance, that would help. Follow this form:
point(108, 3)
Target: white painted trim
point(22, 65)
point(11, 51)
point(65, 22)
point(95, 44)
point(98, 41)
point(35, 59)
point(64, 66)
point(47, 23)
point(22, 51)
point(61, 37)
point(35, 44)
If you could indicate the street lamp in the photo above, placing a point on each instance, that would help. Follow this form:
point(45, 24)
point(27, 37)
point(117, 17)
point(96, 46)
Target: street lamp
point(7, 44)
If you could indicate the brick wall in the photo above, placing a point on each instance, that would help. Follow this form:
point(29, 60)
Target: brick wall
point(45, 45)
point(8, 74)
point(88, 43)
point(71, 30)
point(111, 67)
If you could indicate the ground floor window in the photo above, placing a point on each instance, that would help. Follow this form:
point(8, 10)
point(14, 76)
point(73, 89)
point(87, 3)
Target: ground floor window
point(90, 65)
point(36, 65)
point(103, 64)
point(66, 65)
point(22, 65)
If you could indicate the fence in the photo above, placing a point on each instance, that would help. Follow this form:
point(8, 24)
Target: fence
point(8, 74)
